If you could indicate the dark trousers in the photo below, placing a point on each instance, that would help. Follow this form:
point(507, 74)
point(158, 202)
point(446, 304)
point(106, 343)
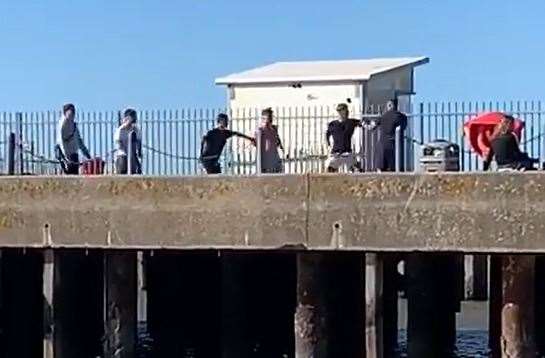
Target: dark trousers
point(71, 166)
point(211, 166)
point(385, 156)
point(121, 166)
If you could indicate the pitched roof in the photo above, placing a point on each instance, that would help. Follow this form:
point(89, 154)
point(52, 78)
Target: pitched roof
point(318, 71)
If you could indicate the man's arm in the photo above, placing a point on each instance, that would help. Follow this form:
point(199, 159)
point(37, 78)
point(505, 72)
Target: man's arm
point(327, 135)
point(60, 140)
point(203, 143)
point(403, 122)
point(357, 122)
point(488, 160)
point(81, 145)
point(238, 134)
point(139, 144)
point(278, 140)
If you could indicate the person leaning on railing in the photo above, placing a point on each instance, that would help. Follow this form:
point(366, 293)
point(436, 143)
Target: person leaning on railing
point(214, 141)
point(504, 148)
point(69, 141)
point(122, 137)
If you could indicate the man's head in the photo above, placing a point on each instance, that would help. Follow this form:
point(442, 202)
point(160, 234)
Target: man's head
point(267, 116)
point(130, 115)
point(222, 120)
point(342, 110)
point(69, 111)
point(391, 105)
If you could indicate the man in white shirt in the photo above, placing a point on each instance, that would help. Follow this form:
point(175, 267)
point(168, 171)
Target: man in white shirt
point(69, 141)
point(121, 139)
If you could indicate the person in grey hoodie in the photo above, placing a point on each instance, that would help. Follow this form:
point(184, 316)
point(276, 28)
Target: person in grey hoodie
point(124, 151)
point(69, 141)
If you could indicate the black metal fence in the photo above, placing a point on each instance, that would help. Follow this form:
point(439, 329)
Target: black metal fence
point(171, 138)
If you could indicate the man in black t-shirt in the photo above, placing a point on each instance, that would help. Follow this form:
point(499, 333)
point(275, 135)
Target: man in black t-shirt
point(341, 131)
point(213, 142)
point(386, 146)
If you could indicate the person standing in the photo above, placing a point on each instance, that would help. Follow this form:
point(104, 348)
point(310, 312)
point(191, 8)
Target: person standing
point(127, 131)
point(214, 141)
point(69, 141)
point(386, 146)
point(270, 143)
point(341, 131)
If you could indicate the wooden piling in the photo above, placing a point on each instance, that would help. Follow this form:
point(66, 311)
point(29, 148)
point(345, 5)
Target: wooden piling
point(258, 304)
point(373, 304)
point(120, 299)
point(329, 318)
point(540, 305)
point(74, 304)
point(183, 296)
point(432, 290)
point(311, 318)
point(517, 323)
point(495, 294)
point(390, 298)
point(21, 303)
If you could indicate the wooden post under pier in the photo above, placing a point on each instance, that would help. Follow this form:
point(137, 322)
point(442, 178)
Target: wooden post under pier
point(517, 323)
point(21, 303)
point(329, 318)
point(183, 295)
point(120, 299)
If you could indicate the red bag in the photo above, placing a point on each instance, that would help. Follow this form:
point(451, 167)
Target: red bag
point(93, 166)
point(479, 129)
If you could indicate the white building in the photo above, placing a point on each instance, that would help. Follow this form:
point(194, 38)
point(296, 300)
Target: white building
point(304, 95)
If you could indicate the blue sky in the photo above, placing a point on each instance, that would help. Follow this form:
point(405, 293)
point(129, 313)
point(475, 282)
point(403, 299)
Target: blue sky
point(105, 54)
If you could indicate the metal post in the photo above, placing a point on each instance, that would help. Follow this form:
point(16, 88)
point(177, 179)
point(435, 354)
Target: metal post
point(130, 151)
point(258, 156)
point(398, 149)
point(19, 118)
point(11, 154)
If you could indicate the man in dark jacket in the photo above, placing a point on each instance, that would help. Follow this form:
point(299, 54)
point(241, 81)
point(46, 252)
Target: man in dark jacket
point(386, 147)
point(213, 142)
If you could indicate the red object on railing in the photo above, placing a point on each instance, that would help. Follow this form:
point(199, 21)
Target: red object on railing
point(479, 129)
point(93, 166)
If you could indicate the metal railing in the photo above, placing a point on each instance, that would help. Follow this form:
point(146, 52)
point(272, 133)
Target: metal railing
point(171, 139)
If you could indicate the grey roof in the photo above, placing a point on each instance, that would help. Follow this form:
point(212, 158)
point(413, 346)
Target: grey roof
point(320, 71)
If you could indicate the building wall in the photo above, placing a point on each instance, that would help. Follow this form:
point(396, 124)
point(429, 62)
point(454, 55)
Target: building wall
point(302, 114)
point(285, 95)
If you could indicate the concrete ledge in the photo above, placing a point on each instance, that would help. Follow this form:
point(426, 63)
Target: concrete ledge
point(448, 212)
point(153, 212)
point(373, 212)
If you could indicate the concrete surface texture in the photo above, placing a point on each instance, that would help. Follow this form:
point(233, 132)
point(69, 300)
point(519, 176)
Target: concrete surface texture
point(466, 212)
